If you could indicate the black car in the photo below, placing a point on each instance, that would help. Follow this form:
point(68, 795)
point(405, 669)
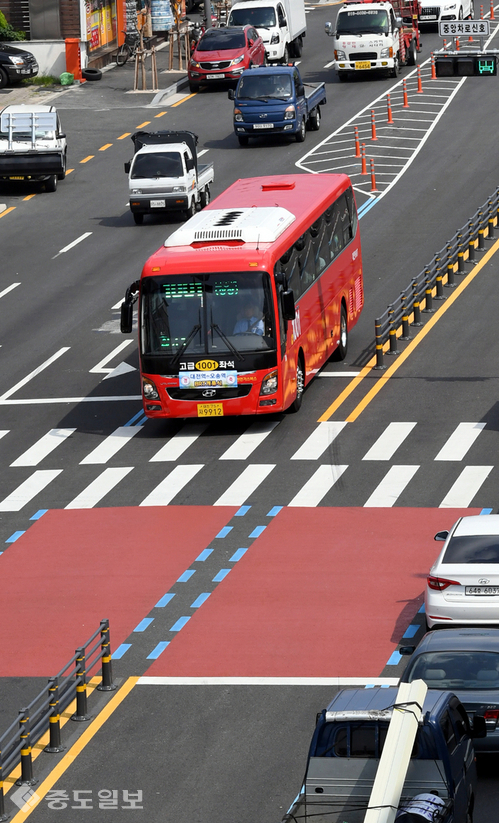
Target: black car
point(15, 64)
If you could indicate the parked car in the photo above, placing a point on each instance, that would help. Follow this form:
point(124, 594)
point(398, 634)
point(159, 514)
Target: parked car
point(466, 662)
point(463, 584)
point(223, 54)
point(15, 64)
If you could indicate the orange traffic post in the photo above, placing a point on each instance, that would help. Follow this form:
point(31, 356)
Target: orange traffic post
point(363, 155)
point(389, 110)
point(481, 12)
point(457, 43)
point(433, 70)
point(445, 44)
point(373, 126)
point(373, 178)
point(420, 85)
point(356, 138)
point(492, 17)
point(470, 39)
point(404, 92)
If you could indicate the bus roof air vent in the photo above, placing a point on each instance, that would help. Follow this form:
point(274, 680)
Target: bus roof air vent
point(256, 225)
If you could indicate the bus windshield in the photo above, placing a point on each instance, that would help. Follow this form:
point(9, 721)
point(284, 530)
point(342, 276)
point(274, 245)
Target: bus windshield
point(219, 313)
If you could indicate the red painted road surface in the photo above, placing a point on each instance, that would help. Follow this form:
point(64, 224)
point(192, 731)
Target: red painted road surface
point(74, 568)
point(321, 593)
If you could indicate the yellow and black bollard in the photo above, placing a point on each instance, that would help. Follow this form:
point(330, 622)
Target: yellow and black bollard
point(107, 684)
point(81, 687)
point(54, 746)
point(26, 778)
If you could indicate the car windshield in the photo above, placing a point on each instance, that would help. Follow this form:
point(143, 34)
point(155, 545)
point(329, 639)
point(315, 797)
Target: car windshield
point(157, 164)
point(221, 313)
point(222, 41)
point(468, 670)
point(256, 86)
point(483, 548)
point(362, 21)
point(260, 18)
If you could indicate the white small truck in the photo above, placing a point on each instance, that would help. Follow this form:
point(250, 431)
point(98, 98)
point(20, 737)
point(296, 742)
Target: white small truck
point(281, 24)
point(32, 145)
point(164, 174)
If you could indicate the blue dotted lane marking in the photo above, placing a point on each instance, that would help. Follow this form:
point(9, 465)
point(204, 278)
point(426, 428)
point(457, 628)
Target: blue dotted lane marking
point(220, 576)
point(224, 532)
point(39, 514)
point(237, 555)
point(185, 576)
point(142, 626)
point(120, 651)
point(411, 630)
point(242, 511)
point(257, 532)
point(486, 511)
point(164, 600)
point(394, 658)
point(200, 600)
point(134, 418)
point(14, 537)
point(275, 510)
point(203, 556)
point(158, 649)
point(180, 624)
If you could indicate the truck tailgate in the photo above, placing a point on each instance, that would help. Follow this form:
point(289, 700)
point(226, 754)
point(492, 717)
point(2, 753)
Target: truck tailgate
point(31, 163)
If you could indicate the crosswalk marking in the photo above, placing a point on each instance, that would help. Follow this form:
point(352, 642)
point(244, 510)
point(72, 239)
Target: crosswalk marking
point(164, 493)
point(466, 487)
point(249, 480)
point(111, 445)
point(318, 486)
point(460, 441)
point(34, 484)
point(320, 440)
point(98, 488)
point(3, 432)
point(391, 487)
point(250, 440)
point(387, 443)
point(180, 442)
point(44, 446)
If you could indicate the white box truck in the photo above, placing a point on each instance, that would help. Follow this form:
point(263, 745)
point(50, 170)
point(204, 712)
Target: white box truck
point(280, 23)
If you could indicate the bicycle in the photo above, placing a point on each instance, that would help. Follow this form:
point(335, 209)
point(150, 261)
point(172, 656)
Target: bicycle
point(129, 48)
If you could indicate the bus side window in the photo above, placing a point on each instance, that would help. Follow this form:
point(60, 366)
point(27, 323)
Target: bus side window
point(346, 227)
point(306, 260)
point(335, 232)
point(352, 210)
point(319, 242)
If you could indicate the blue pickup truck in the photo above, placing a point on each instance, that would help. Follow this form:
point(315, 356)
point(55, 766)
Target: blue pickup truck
point(274, 100)
point(346, 748)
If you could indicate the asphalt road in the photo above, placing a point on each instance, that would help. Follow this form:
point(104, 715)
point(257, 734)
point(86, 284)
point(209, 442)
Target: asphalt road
point(223, 751)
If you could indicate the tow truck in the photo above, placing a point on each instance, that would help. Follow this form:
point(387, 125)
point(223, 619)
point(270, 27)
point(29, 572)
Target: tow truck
point(375, 35)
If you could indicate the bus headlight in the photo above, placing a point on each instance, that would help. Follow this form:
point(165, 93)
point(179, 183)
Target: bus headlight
point(149, 390)
point(269, 383)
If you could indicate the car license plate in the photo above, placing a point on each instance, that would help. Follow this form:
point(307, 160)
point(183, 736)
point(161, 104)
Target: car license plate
point(16, 178)
point(214, 76)
point(363, 64)
point(158, 204)
point(210, 410)
point(263, 125)
point(428, 17)
point(484, 590)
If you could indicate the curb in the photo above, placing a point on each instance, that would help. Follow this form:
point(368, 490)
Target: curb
point(175, 88)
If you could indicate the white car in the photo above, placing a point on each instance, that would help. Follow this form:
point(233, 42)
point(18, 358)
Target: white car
point(433, 11)
point(463, 584)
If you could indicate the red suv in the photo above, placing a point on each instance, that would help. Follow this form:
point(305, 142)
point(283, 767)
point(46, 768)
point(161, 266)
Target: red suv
point(223, 54)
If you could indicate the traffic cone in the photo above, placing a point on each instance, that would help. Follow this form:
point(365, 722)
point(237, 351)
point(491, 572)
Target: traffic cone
point(491, 16)
point(363, 154)
point(356, 138)
point(373, 126)
point(433, 70)
point(457, 43)
point(389, 110)
point(404, 91)
point(481, 12)
point(373, 178)
point(420, 85)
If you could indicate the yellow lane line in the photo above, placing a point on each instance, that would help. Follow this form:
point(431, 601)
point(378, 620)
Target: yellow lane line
point(68, 171)
point(122, 136)
point(422, 334)
point(29, 196)
point(183, 100)
point(160, 114)
point(106, 146)
point(86, 159)
point(77, 749)
point(11, 208)
point(147, 123)
point(346, 392)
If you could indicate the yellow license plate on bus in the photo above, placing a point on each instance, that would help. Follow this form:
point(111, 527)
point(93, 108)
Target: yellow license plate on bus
point(363, 64)
point(210, 410)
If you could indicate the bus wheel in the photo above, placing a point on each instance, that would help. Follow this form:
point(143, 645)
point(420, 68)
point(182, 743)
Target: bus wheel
point(300, 385)
point(341, 351)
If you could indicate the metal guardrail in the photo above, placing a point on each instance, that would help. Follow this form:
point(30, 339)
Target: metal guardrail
point(43, 713)
point(420, 291)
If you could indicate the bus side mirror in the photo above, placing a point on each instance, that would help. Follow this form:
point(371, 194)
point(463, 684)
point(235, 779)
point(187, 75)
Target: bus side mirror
point(288, 304)
point(441, 535)
point(127, 167)
point(328, 28)
point(126, 317)
point(479, 728)
point(231, 95)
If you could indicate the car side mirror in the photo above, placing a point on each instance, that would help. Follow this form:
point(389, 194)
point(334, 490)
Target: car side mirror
point(406, 650)
point(127, 167)
point(479, 727)
point(231, 95)
point(126, 322)
point(61, 136)
point(288, 304)
point(300, 91)
point(189, 164)
point(251, 42)
point(399, 22)
point(441, 535)
point(328, 28)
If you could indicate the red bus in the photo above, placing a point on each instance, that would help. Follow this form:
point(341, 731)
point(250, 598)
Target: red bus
point(248, 299)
